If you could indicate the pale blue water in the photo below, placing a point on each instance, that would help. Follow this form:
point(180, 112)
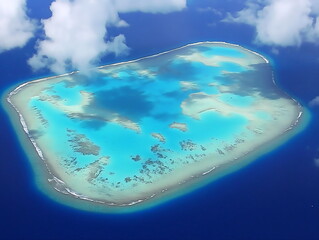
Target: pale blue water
point(215, 125)
point(232, 67)
point(263, 115)
point(236, 100)
point(222, 51)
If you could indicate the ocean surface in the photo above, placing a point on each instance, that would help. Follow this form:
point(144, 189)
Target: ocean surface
point(275, 197)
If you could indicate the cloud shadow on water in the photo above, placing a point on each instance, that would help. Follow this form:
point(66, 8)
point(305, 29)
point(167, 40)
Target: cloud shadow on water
point(127, 102)
point(258, 80)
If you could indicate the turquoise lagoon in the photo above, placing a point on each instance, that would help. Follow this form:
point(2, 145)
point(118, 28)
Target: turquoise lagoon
point(130, 132)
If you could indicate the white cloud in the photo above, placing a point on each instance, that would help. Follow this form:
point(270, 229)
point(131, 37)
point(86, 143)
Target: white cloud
point(211, 10)
point(314, 102)
point(75, 35)
point(118, 46)
point(150, 6)
point(15, 27)
point(247, 15)
point(316, 161)
point(281, 22)
point(315, 7)
point(275, 51)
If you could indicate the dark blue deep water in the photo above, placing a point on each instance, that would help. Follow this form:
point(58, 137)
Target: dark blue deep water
point(275, 197)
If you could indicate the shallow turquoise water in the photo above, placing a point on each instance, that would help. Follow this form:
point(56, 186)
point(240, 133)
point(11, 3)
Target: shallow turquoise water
point(149, 93)
point(71, 96)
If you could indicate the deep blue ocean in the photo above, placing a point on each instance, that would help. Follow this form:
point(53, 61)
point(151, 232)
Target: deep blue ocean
point(275, 197)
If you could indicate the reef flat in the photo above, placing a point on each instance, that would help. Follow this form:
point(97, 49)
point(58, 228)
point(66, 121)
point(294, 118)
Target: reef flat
point(133, 131)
